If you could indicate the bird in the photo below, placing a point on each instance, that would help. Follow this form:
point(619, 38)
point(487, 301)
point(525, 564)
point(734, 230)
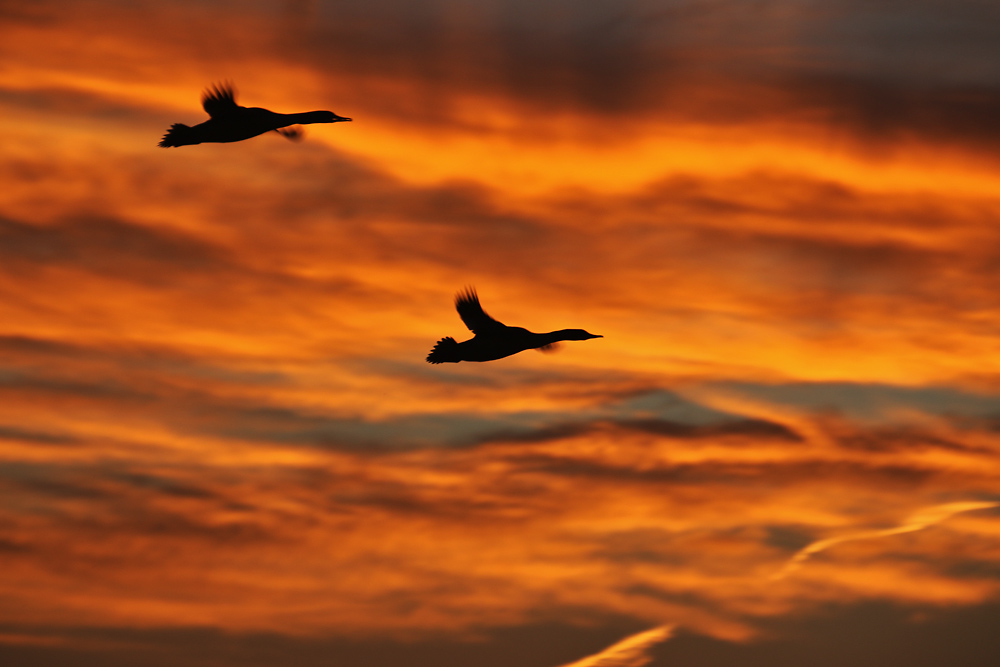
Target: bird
point(493, 340)
point(229, 122)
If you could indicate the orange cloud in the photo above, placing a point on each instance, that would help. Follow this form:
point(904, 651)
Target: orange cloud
point(919, 521)
point(625, 522)
point(629, 652)
point(214, 409)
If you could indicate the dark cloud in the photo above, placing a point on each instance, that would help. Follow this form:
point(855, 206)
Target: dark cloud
point(62, 102)
point(48, 481)
point(275, 424)
point(159, 484)
point(849, 68)
point(82, 501)
point(7, 433)
point(788, 538)
point(535, 645)
point(876, 112)
point(819, 204)
point(867, 635)
point(107, 247)
point(544, 53)
point(857, 70)
point(874, 403)
point(56, 365)
point(464, 218)
point(13, 345)
point(751, 430)
point(13, 11)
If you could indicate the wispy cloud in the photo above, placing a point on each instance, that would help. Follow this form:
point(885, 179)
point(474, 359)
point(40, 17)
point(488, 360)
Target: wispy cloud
point(630, 652)
point(922, 519)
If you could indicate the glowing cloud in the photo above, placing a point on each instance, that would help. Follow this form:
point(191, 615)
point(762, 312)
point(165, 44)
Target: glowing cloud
point(214, 405)
point(632, 651)
point(924, 518)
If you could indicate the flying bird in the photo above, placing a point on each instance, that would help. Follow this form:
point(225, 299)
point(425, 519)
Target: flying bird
point(230, 122)
point(492, 339)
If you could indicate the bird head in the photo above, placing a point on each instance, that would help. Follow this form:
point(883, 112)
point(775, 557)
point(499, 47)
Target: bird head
point(580, 334)
point(330, 117)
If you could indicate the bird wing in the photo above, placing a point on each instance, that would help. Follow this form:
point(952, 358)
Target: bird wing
point(293, 133)
point(467, 304)
point(219, 100)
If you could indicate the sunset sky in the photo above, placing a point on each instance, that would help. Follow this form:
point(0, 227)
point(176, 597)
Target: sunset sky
point(220, 443)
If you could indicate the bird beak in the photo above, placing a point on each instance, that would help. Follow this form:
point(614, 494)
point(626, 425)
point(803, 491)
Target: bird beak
point(340, 119)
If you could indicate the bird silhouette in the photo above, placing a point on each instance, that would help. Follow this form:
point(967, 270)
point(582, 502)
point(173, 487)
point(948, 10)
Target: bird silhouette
point(230, 122)
point(492, 339)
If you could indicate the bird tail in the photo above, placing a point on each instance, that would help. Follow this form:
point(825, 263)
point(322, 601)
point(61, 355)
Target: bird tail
point(446, 350)
point(178, 135)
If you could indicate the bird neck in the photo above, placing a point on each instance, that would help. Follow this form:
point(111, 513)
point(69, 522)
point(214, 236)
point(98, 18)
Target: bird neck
point(308, 117)
point(552, 336)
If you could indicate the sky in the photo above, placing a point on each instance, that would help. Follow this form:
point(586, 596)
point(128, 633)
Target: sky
point(220, 443)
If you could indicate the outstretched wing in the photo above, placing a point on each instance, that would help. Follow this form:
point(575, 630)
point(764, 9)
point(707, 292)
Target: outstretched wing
point(292, 132)
point(219, 100)
point(467, 304)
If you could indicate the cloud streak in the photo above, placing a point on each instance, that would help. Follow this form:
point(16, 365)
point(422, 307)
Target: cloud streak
point(924, 518)
point(629, 652)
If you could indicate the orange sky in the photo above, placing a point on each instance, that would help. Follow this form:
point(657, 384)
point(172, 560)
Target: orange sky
point(216, 419)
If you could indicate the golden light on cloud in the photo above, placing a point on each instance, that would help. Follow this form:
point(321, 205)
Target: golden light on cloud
point(922, 519)
point(529, 166)
point(629, 652)
point(215, 414)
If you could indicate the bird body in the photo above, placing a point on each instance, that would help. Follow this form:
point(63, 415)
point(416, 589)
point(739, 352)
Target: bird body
point(229, 122)
point(494, 340)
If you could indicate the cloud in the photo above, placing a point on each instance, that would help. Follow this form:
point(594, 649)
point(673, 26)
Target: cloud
point(618, 521)
point(924, 518)
point(444, 65)
point(215, 411)
point(629, 652)
point(111, 248)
